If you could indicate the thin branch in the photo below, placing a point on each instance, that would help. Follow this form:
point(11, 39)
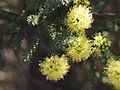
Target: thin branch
point(106, 15)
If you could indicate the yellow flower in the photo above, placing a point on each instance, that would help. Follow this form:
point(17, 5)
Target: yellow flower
point(112, 72)
point(54, 68)
point(101, 44)
point(33, 19)
point(80, 49)
point(79, 18)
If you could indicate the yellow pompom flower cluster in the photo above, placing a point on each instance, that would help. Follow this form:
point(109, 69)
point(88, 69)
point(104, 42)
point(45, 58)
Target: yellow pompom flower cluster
point(54, 68)
point(101, 44)
point(112, 72)
point(79, 18)
point(80, 49)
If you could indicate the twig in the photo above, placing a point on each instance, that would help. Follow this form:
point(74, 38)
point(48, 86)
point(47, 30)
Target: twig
point(105, 15)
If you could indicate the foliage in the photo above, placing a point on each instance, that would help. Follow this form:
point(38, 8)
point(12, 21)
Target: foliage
point(66, 32)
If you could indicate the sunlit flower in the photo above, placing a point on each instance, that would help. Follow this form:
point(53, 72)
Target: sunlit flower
point(79, 18)
point(33, 19)
point(80, 49)
point(112, 72)
point(54, 68)
point(101, 44)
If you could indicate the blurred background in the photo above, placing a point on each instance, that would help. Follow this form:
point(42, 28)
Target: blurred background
point(15, 75)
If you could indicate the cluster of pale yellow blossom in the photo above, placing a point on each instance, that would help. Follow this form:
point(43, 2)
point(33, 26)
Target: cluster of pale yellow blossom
point(101, 44)
point(112, 72)
point(55, 67)
point(79, 18)
point(80, 49)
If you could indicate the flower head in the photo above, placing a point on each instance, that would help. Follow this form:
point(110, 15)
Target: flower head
point(80, 49)
point(101, 44)
point(33, 19)
point(79, 18)
point(112, 72)
point(54, 68)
